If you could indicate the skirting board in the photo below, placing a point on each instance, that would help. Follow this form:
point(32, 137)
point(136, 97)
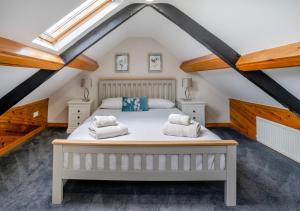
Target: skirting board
point(57, 124)
point(218, 124)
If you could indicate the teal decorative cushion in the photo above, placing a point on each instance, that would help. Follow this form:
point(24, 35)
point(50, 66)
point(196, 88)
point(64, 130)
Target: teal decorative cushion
point(134, 104)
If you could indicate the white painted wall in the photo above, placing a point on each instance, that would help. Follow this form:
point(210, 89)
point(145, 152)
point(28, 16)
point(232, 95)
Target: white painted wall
point(139, 48)
point(57, 108)
point(51, 86)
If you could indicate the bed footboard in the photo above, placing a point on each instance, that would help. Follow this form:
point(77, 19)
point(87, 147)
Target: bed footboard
point(145, 161)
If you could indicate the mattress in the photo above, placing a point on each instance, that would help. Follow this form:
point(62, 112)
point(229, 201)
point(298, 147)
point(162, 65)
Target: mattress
point(145, 126)
point(142, 126)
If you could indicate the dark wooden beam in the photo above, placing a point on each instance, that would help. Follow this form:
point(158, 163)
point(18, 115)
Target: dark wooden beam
point(204, 63)
point(228, 55)
point(279, 57)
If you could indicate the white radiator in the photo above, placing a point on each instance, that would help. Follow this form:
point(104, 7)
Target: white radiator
point(281, 138)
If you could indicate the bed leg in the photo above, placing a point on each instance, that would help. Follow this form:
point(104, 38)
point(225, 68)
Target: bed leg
point(57, 182)
point(230, 183)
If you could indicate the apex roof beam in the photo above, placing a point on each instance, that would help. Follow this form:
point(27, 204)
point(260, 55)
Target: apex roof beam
point(22, 90)
point(204, 63)
point(279, 57)
point(228, 55)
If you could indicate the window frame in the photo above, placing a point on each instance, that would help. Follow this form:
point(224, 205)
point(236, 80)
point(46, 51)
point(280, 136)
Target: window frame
point(73, 21)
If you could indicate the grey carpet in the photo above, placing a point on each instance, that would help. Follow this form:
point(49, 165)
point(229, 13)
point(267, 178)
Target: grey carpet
point(266, 181)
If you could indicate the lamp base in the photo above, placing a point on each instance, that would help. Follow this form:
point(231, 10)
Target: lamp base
point(86, 100)
point(187, 99)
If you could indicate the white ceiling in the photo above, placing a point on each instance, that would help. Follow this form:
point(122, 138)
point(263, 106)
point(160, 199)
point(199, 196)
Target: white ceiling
point(244, 25)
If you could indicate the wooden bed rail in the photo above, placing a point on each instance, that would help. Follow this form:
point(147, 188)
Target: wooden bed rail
point(120, 143)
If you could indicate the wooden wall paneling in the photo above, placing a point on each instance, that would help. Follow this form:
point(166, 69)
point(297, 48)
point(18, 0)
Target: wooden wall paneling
point(18, 124)
point(7, 147)
point(24, 114)
point(279, 57)
point(243, 116)
point(204, 63)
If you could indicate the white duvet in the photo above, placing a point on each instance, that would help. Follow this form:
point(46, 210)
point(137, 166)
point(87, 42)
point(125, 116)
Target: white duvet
point(142, 126)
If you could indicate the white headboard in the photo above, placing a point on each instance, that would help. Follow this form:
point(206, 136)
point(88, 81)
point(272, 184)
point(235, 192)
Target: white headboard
point(152, 88)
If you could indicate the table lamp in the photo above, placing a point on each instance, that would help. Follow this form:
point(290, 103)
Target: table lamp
point(187, 83)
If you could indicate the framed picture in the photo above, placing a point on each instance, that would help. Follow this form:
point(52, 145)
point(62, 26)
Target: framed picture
point(155, 62)
point(122, 62)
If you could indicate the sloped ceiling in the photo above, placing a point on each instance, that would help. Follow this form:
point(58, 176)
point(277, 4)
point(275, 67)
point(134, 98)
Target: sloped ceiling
point(244, 25)
point(231, 21)
point(22, 21)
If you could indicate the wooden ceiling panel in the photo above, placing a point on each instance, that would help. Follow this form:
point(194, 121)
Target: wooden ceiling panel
point(279, 57)
point(16, 54)
point(204, 63)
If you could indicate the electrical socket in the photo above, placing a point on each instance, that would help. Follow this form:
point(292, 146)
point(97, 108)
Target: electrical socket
point(35, 114)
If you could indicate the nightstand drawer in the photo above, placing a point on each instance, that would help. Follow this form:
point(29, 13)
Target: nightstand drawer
point(78, 119)
point(79, 110)
point(192, 110)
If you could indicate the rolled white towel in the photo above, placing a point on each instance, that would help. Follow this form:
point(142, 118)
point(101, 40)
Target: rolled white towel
point(103, 121)
point(108, 132)
point(192, 131)
point(179, 119)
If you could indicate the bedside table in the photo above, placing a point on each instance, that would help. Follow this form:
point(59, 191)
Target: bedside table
point(195, 108)
point(78, 112)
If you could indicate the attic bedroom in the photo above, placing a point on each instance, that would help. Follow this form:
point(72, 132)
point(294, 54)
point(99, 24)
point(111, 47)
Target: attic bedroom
point(149, 105)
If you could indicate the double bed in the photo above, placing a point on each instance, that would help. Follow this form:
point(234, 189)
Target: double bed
point(145, 153)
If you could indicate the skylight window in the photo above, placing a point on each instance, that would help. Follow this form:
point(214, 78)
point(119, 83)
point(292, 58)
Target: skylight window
point(77, 19)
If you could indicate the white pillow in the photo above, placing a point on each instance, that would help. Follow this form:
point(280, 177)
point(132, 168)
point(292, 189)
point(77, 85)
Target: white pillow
point(112, 103)
point(160, 103)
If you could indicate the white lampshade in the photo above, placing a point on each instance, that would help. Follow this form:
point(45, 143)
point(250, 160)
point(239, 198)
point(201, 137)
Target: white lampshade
point(187, 82)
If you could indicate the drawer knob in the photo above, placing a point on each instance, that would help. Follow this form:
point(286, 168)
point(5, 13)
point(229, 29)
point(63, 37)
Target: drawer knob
point(194, 111)
point(194, 117)
point(78, 111)
point(78, 123)
point(78, 117)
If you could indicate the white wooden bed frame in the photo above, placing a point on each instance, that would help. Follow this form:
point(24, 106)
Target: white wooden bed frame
point(156, 88)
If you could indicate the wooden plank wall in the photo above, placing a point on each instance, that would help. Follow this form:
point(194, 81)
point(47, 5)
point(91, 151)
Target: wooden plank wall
point(24, 114)
point(243, 116)
point(18, 125)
